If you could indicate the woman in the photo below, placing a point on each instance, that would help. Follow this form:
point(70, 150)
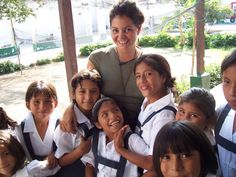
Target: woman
point(115, 63)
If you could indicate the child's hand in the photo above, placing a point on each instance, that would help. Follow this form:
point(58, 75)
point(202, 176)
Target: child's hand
point(52, 161)
point(85, 145)
point(68, 120)
point(119, 138)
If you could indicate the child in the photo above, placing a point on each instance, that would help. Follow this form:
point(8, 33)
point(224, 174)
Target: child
point(198, 106)
point(225, 130)
point(153, 78)
point(182, 149)
point(12, 157)
point(109, 120)
point(86, 87)
point(36, 130)
point(5, 121)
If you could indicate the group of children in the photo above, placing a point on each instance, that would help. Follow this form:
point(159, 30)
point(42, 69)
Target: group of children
point(103, 145)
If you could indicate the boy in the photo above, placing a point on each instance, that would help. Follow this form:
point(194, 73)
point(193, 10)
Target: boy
point(225, 131)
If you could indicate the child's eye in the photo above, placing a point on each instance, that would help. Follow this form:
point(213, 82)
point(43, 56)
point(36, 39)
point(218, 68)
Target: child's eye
point(194, 116)
point(137, 76)
point(185, 155)
point(5, 154)
point(36, 102)
point(165, 157)
point(104, 115)
point(226, 81)
point(181, 111)
point(81, 91)
point(148, 74)
point(117, 110)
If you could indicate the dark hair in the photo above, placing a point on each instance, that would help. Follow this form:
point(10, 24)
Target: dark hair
point(203, 100)
point(15, 149)
point(128, 9)
point(158, 63)
point(5, 121)
point(90, 74)
point(98, 105)
point(41, 87)
point(183, 137)
point(228, 61)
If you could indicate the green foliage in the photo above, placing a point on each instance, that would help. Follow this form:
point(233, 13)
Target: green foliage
point(215, 76)
point(59, 58)
point(43, 62)
point(87, 49)
point(16, 9)
point(222, 40)
point(9, 67)
point(147, 41)
point(215, 12)
point(165, 40)
point(161, 40)
point(183, 84)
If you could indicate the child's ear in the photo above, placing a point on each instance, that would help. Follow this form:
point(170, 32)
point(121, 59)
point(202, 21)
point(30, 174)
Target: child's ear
point(98, 125)
point(55, 103)
point(72, 94)
point(27, 105)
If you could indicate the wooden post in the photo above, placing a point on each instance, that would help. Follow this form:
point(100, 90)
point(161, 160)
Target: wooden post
point(202, 79)
point(200, 38)
point(68, 39)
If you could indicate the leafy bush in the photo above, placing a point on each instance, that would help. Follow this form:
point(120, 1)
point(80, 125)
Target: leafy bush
point(215, 76)
point(165, 40)
point(43, 62)
point(88, 49)
point(59, 58)
point(183, 84)
point(161, 40)
point(9, 67)
point(147, 41)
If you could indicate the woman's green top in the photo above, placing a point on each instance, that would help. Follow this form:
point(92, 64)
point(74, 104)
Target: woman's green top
point(118, 81)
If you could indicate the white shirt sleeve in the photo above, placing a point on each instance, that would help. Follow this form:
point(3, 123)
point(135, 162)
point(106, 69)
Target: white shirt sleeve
point(138, 145)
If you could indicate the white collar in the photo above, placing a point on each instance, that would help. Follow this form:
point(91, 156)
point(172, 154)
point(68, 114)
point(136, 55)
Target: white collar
point(160, 103)
point(80, 117)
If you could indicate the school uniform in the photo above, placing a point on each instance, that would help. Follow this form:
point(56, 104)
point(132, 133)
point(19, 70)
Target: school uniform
point(22, 173)
point(66, 142)
point(227, 159)
point(107, 151)
point(210, 136)
point(149, 130)
point(41, 148)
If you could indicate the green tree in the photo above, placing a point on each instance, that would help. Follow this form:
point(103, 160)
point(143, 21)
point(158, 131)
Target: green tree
point(17, 10)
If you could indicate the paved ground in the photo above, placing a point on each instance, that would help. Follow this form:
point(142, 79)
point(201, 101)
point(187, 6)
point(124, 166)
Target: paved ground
point(13, 86)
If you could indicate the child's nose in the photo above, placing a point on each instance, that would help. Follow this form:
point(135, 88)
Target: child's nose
point(233, 90)
point(176, 164)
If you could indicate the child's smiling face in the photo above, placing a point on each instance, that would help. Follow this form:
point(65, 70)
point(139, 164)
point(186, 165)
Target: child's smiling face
point(7, 161)
point(149, 81)
point(188, 111)
point(110, 118)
